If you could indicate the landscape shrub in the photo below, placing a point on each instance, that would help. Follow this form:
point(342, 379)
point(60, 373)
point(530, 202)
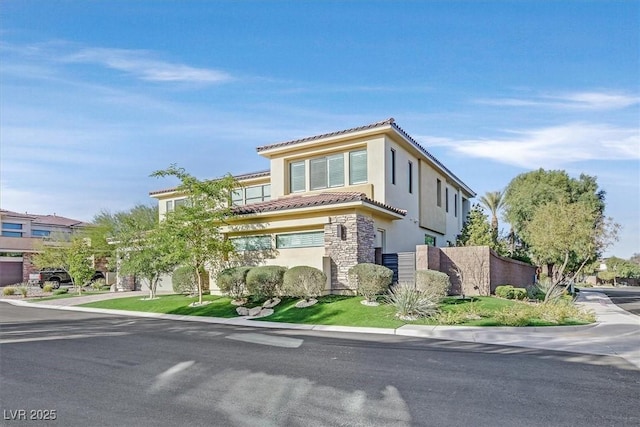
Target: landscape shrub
point(433, 283)
point(9, 290)
point(560, 311)
point(370, 279)
point(47, 288)
point(184, 281)
point(265, 281)
point(304, 282)
point(61, 291)
point(546, 287)
point(233, 282)
point(410, 303)
point(98, 284)
point(23, 289)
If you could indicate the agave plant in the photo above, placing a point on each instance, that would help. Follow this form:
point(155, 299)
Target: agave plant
point(410, 303)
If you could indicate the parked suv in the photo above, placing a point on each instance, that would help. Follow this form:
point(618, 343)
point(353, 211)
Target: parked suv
point(57, 277)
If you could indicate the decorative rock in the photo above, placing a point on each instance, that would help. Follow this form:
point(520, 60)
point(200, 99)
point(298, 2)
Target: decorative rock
point(255, 311)
point(265, 312)
point(369, 303)
point(271, 303)
point(239, 302)
point(304, 303)
point(242, 311)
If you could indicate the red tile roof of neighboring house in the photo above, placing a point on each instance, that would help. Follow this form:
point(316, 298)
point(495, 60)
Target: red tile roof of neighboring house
point(322, 199)
point(240, 177)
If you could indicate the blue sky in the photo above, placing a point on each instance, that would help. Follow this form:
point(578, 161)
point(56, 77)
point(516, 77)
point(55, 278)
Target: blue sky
point(94, 96)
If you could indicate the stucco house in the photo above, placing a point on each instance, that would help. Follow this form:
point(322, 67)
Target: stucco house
point(20, 236)
point(334, 200)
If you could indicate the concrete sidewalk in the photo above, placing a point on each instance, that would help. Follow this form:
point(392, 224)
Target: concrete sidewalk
point(615, 333)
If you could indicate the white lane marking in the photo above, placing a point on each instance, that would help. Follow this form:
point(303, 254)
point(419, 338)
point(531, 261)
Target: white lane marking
point(62, 337)
point(163, 379)
point(267, 340)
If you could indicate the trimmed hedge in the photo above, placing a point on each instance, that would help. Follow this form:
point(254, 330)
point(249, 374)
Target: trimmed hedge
point(304, 282)
point(433, 283)
point(233, 281)
point(265, 281)
point(370, 279)
point(184, 280)
point(509, 292)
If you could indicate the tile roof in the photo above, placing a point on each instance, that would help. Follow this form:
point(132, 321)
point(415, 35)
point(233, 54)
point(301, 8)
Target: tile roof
point(243, 176)
point(386, 122)
point(322, 199)
point(45, 219)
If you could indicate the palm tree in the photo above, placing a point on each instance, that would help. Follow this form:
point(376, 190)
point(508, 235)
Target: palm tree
point(493, 201)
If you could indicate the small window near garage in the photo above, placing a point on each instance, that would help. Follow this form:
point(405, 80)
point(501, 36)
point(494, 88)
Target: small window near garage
point(300, 240)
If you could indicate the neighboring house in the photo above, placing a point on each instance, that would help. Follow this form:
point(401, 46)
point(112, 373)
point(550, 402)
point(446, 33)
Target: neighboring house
point(20, 235)
point(334, 200)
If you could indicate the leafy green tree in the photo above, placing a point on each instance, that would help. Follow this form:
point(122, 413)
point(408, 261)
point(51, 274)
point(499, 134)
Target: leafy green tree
point(493, 201)
point(194, 227)
point(529, 191)
point(107, 228)
point(74, 256)
point(147, 253)
point(476, 230)
point(622, 268)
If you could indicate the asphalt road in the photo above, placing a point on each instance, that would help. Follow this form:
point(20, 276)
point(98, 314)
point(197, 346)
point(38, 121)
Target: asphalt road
point(100, 370)
point(627, 298)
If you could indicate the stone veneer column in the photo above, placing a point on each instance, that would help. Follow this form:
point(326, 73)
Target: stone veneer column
point(27, 266)
point(356, 247)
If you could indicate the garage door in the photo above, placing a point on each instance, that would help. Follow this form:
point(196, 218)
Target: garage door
point(10, 272)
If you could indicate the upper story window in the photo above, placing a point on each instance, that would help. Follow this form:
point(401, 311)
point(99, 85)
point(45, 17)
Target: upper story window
point(446, 199)
point(455, 205)
point(327, 171)
point(393, 166)
point(40, 233)
point(297, 177)
point(438, 192)
point(11, 226)
point(358, 167)
point(173, 204)
point(253, 194)
point(410, 177)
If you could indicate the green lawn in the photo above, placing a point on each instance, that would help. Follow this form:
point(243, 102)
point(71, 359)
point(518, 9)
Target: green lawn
point(346, 311)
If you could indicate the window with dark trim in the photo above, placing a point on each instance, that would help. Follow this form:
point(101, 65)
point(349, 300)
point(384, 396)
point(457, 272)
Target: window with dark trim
point(410, 177)
point(446, 199)
point(455, 205)
point(438, 192)
point(393, 166)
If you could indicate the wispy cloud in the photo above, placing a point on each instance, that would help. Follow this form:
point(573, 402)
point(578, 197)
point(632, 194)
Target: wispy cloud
point(142, 64)
point(569, 101)
point(550, 147)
